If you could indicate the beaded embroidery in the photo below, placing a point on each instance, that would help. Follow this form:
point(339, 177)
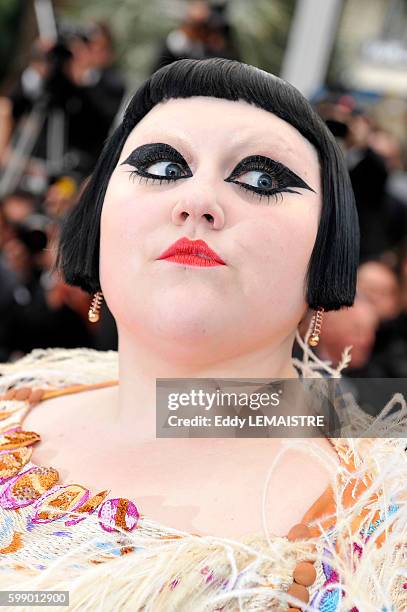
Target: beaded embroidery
point(22, 483)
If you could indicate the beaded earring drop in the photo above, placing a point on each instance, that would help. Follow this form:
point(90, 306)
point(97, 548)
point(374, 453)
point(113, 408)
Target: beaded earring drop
point(94, 310)
point(316, 323)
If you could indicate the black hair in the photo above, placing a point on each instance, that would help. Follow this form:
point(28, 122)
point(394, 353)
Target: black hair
point(331, 275)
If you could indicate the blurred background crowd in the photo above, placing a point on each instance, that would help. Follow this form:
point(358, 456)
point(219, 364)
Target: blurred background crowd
point(67, 71)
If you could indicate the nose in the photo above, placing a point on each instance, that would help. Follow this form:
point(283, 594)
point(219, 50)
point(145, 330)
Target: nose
point(197, 208)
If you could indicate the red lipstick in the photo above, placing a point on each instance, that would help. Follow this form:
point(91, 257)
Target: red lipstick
point(193, 253)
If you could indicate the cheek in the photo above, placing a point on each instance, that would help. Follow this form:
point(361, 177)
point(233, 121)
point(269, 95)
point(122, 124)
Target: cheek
point(126, 215)
point(128, 219)
point(279, 247)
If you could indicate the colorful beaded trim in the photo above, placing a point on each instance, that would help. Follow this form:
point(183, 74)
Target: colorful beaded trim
point(38, 486)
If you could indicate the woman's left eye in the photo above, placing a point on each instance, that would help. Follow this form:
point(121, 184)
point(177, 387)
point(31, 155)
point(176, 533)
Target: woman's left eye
point(262, 183)
point(258, 179)
point(265, 177)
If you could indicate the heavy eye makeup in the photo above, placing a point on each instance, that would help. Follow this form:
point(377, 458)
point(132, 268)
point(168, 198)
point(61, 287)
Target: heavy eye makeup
point(258, 174)
point(158, 162)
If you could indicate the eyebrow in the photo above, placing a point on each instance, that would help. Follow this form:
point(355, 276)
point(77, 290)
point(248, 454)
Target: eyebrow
point(178, 139)
point(143, 151)
point(237, 141)
point(240, 142)
point(279, 148)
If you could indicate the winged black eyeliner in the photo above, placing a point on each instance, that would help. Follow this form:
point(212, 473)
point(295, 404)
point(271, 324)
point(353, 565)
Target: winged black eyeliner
point(153, 152)
point(149, 153)
point(269, 165)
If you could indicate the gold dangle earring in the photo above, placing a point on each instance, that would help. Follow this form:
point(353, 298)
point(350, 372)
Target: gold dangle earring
point(316, 324)
point(94, 310)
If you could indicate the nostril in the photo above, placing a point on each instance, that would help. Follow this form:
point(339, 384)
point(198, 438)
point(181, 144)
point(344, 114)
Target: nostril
point(209, 218)
point(184, 215)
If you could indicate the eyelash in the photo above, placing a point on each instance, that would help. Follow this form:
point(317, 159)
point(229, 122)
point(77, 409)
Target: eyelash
point(252, 165)
point(147, 179)
point(259, 195)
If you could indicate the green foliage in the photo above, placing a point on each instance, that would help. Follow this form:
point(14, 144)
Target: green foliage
point(10, 11)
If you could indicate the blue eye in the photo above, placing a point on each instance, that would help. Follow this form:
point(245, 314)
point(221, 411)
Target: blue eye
point(162, 171)
point(158, 162)
point(265, 177)
point(259, 183)
point(258, 179)
point(165, 169)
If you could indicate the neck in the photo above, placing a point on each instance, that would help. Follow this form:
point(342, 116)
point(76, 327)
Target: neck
point(139, 367)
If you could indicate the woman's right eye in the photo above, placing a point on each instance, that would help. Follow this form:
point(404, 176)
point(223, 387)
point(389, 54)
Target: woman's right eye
point(165, 169)
point(158, 162)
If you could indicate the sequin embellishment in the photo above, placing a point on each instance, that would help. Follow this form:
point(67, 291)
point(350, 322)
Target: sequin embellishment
point(38, 486)
point(11, 462)
point(118, 512)
point(28, 486)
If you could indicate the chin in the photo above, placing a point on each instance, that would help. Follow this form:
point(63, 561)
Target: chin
point(189, 324)
point(187, 340)
point(188, 320)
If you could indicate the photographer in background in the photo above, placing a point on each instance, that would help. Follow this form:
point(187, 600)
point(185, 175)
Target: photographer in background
point(41, 311)
point(75, 76)
point(382, 216)
point(204, 32)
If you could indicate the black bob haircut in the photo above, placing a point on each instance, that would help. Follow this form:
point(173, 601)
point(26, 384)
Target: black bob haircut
point(331, 274)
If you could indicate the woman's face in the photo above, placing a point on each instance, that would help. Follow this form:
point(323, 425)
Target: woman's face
point(227, 173)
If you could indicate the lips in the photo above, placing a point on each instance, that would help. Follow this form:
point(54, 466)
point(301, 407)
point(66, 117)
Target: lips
point(192, 252)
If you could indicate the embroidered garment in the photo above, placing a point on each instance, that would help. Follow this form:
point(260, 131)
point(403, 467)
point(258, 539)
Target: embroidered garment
point(106, 553)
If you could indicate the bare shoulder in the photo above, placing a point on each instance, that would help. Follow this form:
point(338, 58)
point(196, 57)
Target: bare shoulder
point(64, 411)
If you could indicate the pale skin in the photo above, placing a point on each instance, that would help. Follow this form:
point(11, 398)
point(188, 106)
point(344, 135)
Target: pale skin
point(175, 320)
